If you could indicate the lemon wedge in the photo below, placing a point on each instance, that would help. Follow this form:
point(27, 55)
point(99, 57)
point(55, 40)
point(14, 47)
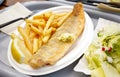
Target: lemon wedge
point(19, 51)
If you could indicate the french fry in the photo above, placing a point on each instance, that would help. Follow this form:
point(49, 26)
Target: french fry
point(35, 45)
point(60, 15)
point(36, 30)
point(35, 22)
point(46, 38)
point(38, 17)
point(27, 28)
point(48, 32)
point(13, 35)
point(53, 30)
point(40, 41)
point(40, 28)
point(48, 24)
point(64, 18)
point(47, 35)
point(32, 35)
point(47, 15)
point(55, 24)
point(25, 38)
point(42, 23)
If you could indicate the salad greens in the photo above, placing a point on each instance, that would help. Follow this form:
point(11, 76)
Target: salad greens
point(103, 55)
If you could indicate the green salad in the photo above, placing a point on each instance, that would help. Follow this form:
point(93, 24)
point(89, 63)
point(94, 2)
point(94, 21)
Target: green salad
point(103, 55)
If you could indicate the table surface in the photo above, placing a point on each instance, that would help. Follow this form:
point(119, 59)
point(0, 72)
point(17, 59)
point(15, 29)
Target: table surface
point(68, 71)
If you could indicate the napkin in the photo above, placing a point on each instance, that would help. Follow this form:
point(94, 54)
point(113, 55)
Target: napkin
point(11, 13)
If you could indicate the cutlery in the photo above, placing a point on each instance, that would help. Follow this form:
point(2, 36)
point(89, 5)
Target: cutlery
point(8, 29)
point(114, 4)
point(12, 21)
point(108, 6)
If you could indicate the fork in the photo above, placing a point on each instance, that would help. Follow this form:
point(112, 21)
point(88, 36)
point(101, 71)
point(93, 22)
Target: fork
point(12, 21)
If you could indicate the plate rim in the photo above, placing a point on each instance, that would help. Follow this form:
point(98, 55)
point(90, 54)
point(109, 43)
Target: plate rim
point(62, 66)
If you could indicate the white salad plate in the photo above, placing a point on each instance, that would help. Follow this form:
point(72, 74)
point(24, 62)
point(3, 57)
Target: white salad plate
point(74, 53)
point(110, 27)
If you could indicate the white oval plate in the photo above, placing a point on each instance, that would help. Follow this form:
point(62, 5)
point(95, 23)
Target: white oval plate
point(75, 52)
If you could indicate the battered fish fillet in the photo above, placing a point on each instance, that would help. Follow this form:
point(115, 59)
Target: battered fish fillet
point(55, 49)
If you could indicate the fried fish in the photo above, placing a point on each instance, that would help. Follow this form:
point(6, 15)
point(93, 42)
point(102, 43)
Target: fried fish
point(61, 41)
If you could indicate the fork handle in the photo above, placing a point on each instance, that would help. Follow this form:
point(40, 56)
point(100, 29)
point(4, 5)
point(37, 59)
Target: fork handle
point(12, 21)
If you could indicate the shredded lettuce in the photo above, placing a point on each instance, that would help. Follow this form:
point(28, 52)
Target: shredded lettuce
point(110, 56)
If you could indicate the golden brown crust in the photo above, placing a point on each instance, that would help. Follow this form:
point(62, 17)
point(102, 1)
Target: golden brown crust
point(78, 9)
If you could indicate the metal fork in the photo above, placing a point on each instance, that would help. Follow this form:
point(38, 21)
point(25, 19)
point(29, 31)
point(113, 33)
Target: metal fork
point(21, 18)
point(12, 21)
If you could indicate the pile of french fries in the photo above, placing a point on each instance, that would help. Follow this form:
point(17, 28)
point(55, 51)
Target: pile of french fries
point(40, 28)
